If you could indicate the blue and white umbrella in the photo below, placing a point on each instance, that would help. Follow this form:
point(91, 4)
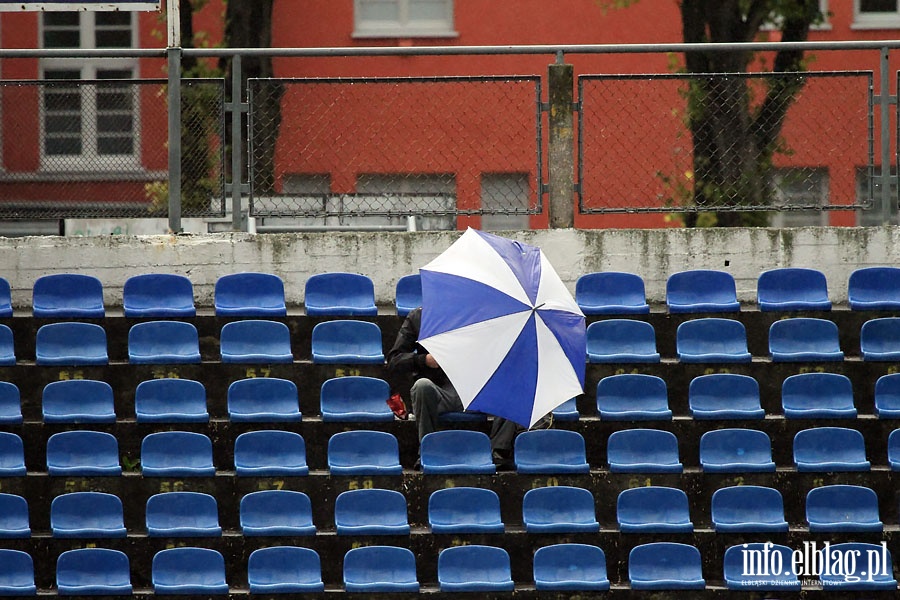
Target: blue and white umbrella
point(503, 327)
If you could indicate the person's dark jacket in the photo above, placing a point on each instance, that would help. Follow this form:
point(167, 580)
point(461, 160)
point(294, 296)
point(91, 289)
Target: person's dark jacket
point(406, 359)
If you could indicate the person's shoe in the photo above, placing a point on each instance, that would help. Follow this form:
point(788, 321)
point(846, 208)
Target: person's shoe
point(502, 462)
point(398, 407)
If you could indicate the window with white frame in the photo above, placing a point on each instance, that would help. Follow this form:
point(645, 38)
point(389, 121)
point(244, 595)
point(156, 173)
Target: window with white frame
point(95, 125)
point(774, 23)
point(798, 187)
point(870, 187)
point(876, 14)
point(403, 18)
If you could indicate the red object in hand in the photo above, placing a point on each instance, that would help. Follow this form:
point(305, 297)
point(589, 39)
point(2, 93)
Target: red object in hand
point(397, 406)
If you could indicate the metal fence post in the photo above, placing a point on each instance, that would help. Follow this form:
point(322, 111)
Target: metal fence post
point(173, 56)
point(561, 152)
point(884, 99)
point(236, 140)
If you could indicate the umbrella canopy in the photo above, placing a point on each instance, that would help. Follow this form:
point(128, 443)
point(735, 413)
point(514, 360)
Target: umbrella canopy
point(502, 325)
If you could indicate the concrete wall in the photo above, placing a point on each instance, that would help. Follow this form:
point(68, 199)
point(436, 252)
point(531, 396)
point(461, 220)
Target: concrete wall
point(654, 254)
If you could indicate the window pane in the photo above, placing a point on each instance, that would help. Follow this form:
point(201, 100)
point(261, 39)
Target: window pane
point(114, 145)
point(61, 19)
point(866, 6)
point(113, 17)
point(113, 38)
point(379, 10)
point(111, 122)
point(58, 38)
point(428, 10)
point(61, 30)
point(59, 124)
point(54, 146)
point(60, 100)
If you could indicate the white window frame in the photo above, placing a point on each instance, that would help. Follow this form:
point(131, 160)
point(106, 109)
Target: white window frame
point(403, 27)
point(880, 20)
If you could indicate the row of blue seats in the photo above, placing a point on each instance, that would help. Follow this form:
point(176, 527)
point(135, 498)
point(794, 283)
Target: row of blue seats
point(471, 568)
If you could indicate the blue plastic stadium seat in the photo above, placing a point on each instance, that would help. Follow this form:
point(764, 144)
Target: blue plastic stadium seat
point(736, 451)
point(170, 400)
point(633, 397)
point(408, 294)
point(93, 572)
point(567, 411)
point(87, 515)
point(373, 569)
point(621, 340)
point(559, 509)
point(550, 451)
point(725, 396)
point(818, 396)
point(371, 512)
point(14, 521)
point(611, 293)
point(787, 289)
point(263, 400)
point(462, 416)
point(355, 399)
point(665, 566)
point(158, 295)
point(188, 571)
point(474, 568)
point(456, 451)
point(874, 569)
point(250, 295)
point(804, 339)
point(643, 451)
point(71, 344)
point(838, 508)
point(347, 341)
point(255, 341)
point(12, 455)
point(16, 573)
point(570, 567)
point(874, 288)
point(177, 454)
point(748, 509)
point(464, 510)
point(68, 296)
point(830, 449)
point(83, 453)
point(879, 339)
point(163, 343)
point(276, 513)
point(887, 396)
point(893, 450)
point(6, 309)
point(270, 453)
point(10, 404)
point(701, 291)
point(362, 452)
point(712, 340)
point(78, 401)
point(7, 347)
point(340, 294)
point(182, 514)
point(653, 509)
point(763, 579)
point(284, 570)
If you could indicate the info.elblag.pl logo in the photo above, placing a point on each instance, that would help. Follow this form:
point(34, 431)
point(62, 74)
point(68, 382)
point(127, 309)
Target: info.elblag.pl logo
point(853, 565)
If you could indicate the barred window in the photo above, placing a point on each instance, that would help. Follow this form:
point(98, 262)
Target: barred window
point(403, 18)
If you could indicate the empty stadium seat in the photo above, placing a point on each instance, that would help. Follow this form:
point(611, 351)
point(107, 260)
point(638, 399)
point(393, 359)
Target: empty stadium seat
point(789, 288)
point(87, 515)
point(834, 508)
point(873, 568)
point(725, 396)
point(6, 309)
point(464, 510)
point(611, 293)
point(893, 450)
point(712, 340)
point(176, 454)
point(182, 514)
point(250, 295)
point(255, 341)
point(347, 341)
point(818, 396)
point(263, 400)
point(830, 449)
point(276, 513)
point(621, 340)
point(804, 339)
point(93, 572)
point(373, 569)
point(550, 451)
point(887, 396)
point(10, 404)
point(362, 452)
point(14, 521)
point(665, 566)
point(701, 291)
point(78, 401)
point(408, 294)
point(188, 571)
point(163, 343)
point(170, 400)
point(879, 339)
point(736, 450)
point(874, 288)
point(83, 453)
point(68, 296)
point(12, 455)
point(355, 398)
point(284, 570)
point(474, 568)
point(7, 347)
point(371, 512)
point(633, 397)
point(653, 509)
point(738, 558)
point(559, 509)
point(16, 573)
point(269, 453)
point(570, 567)
point(70, 344)
point(158, 295)
point(340, 294)
point(456, 451)
point(643, 451)
point(748, 509)
point(567, 411)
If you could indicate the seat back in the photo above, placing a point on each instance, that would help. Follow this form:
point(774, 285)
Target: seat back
point(665, 565)
point(14, 521)
point(621, 340)
point(276, 512)
point(380, 569)
point(93, 571)
point(748, 508)
point(177, 453)
point(347, 341)
point(83, 453)
point(170, 400)
point(456, 451)
point(78, 401)
point(874, 288)
point(284, 569)
point(182, 514)
point(725, 396)
point(474, 568)
point(371, 512)
point(362, 452)
point(6, 309)
point(817, 395)
point(643, 450)
point(12, 455)
point(87, 515)
point(163, 342)
point(887, 396)
point(570, 567)
point(68, 296)
point(16, 573)
point(255, 341)
point(610, 293)
point(736, 450)
point(633, 396)
point(792, 288)
point(339, 294)
point(270, 453)
point(464, 510)
point(71, 344)
point(874, 573)
point(188, 570)
point(250, 295)
point(653, 509)
point(830, 449)
point(408, 294)
point(712, 340)
point(263, 399)
point(158, 295)
point(550, 451)
point(355, 398)
point(701, 290)
point(10, 404)
point(803, 338)
point(7, 347)
point(842, 508)
point(559, 509)
point(878, 339)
